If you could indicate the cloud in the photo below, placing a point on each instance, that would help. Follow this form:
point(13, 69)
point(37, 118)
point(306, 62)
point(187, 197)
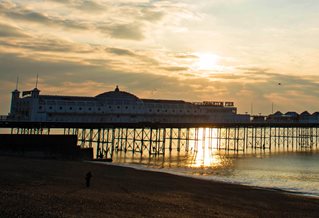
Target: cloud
point(120, 51)
point(22, 14)
point(137, 44)
point(186, 56)
point(132, 31)
point(151, 14)
point(55, 74)
point(90, 6)
point(125, 20)
point(45, 44)
point(262, 89)
point(10, 31)
point(62, 1)
point(65, 76)
point(175, 68)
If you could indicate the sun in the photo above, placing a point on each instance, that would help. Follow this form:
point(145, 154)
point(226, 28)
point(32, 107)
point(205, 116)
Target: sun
point(206, 61)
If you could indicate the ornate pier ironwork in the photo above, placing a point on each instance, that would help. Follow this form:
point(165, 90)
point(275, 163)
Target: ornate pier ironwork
point(158, 140)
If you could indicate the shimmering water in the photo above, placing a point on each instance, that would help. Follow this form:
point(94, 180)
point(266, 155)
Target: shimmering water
point(293, 171)
point(285, 167)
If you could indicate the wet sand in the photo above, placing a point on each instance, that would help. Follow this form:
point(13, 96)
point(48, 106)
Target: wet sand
point(53, 188)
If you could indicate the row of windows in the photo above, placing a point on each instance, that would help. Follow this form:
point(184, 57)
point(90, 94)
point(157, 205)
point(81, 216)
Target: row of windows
point(83, 103)
point(80, 108)
point(117, 117)
point(118, 107)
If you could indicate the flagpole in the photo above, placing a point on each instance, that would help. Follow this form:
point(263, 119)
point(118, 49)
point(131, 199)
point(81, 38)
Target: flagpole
point(36, 83)
point(17, 82)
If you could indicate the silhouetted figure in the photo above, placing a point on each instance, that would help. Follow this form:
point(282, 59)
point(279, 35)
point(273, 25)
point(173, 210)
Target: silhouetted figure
point(88, 177)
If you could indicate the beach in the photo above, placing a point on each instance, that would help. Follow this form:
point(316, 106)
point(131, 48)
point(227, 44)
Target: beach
point(56, 188)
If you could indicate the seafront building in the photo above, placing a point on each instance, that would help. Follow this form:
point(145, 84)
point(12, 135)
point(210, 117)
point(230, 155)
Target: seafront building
point(293, 117)
point(118, 107)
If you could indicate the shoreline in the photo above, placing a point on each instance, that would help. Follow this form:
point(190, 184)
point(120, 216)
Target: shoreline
point(56, 188)
point(146, 169)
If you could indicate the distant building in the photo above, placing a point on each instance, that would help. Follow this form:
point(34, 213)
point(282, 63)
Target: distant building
point(258, 119)
point(291, 117)
point(118, 107)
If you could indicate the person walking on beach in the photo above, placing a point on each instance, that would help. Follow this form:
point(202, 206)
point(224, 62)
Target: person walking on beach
point(88, 177)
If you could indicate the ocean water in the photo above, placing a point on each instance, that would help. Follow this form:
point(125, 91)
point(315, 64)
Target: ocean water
point(284, 167)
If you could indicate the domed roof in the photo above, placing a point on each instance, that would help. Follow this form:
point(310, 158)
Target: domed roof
point(118, 95)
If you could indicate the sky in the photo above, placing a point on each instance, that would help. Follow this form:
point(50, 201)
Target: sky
point(261, 54)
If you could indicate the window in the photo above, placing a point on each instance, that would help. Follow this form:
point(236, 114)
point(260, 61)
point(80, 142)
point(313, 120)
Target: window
point(61, 108)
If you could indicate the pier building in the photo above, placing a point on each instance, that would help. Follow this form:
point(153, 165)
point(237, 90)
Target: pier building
point(118, 107)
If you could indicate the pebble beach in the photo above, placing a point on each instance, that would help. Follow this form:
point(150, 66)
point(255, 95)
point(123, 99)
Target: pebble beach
point(56, 188)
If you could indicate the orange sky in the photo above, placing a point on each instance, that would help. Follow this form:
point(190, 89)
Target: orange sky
point(234, 50)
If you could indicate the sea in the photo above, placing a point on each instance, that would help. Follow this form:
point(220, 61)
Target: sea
point(285, 167)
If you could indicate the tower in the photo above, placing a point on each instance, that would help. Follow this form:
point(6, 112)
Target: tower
point(15, 96)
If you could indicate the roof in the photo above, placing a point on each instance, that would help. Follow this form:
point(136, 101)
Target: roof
point(117, 95)
point(163, 101)
point(278, 113)
point(315, 113)
point(292, 114)
point(305, 113)
point(70, 98)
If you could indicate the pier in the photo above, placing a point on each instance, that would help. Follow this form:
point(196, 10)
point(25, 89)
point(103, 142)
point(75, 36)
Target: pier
point(154, 139)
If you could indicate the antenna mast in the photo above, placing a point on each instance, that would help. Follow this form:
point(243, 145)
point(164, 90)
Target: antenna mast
point(17, 83)
point(36, 82)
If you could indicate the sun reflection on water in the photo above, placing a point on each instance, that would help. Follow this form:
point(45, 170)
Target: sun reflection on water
point(206, 149)
point(207, 157)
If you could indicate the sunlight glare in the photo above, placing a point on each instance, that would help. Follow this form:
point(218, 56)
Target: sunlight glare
point(206, 149)
point(207, 61)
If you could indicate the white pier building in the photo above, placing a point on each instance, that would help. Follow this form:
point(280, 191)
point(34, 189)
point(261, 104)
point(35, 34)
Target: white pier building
point(117, 107)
